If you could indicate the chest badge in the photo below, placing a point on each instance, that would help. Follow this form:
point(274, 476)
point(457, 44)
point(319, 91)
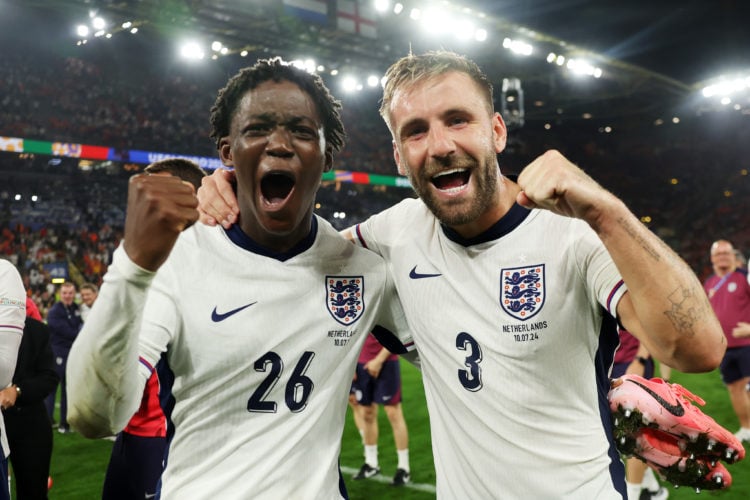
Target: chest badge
point(345, 298)
point(522, 290)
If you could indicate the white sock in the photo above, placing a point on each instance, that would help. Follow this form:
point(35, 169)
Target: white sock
point(403, 459)
point(371, 455)
point(634, 490)
point(649, 480)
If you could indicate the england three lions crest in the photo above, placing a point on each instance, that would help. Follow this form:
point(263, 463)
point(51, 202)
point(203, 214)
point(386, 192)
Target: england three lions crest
point(522, 291)
point(345, 298)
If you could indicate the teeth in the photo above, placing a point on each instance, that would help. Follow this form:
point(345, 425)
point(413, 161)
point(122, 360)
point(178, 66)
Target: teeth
point(448, 172)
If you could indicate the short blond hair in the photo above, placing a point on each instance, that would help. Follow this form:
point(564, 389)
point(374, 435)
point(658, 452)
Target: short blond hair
point(412, 69)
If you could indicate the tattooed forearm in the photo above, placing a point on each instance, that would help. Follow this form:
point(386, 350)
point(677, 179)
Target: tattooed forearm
point(642, 242)
point(687, 308)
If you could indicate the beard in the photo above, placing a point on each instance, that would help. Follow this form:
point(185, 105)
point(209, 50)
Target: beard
point(461, 210)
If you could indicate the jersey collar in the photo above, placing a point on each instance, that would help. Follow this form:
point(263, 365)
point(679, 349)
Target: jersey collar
point(242, 240)
point(507, 223)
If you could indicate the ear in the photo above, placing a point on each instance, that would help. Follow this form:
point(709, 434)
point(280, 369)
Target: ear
point(499, 132)
point(328, 165)
point(225, 152)
point(397, 158)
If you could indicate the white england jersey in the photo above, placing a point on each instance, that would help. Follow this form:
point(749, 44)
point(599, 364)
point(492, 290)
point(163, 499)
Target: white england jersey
point(508, 331)
point(12, 319)
point(262, 348)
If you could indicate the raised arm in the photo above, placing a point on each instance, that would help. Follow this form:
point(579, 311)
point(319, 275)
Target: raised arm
point(106, 375)
point(665, 307)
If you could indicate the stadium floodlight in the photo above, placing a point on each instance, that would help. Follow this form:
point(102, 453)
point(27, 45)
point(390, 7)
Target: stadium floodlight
point(243, 53)
point(99, 33)
point(398, 8)
point(349, 84)
point(373, 81)
point(98, 23)
point(415, 14)
point(480, 35)
point(192, 51)
point(308, 65)
point(726, 100)
point(126, 25)
point(224, 51)
point(82, 30)
point(518, 46)
point(436, 21)
point(17, 197)
point(134, 30)
point(551, 57)
point(382, 5)
point(725, 87)
point(581, 67)
point(216, 46)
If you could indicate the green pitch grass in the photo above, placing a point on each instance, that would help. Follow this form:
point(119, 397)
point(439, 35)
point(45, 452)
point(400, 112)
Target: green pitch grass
point(78, 464)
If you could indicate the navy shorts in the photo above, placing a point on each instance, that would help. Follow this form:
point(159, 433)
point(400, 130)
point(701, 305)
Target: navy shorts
point(135, 467)
point(735, 365)
point(384, 390)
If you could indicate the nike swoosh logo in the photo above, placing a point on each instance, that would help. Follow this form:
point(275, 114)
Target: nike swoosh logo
point(216, 317)
point(677, 410)
point(413, 274)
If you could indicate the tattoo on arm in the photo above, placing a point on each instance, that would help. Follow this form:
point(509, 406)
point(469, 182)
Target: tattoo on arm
point(642, 242)
point(686, 308)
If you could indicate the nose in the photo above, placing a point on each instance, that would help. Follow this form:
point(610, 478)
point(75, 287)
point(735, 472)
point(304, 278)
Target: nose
point(439, 142)
point(279, 143)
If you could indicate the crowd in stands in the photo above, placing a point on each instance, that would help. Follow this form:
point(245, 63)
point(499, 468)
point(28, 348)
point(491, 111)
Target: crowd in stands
point(688, 181)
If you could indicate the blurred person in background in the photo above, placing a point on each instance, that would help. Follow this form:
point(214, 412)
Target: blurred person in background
point(728, 290)
point(89, 292)
point(27, 422)
point(64, 320)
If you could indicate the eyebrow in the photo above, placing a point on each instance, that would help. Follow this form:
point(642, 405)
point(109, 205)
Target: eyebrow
point(443, 115)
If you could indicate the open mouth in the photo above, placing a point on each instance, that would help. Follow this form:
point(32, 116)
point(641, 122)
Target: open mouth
point(452, 179)
point(276, 186)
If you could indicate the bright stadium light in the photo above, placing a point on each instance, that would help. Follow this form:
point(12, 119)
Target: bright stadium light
point(192, 51)
point(480, 35)
point(518, 47)
point(724, 86)
point(82, 30)
point(398, 8)
point(216, 46)
point(464, 29)
point(349, 84)
point(382, 5)
point(373, 81)
point(98, 23)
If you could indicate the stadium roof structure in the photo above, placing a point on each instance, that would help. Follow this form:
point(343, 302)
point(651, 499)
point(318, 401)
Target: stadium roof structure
point(646, 51)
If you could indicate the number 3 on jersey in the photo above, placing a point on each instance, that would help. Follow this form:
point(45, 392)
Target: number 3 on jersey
point(471, 377)
point(297, 391)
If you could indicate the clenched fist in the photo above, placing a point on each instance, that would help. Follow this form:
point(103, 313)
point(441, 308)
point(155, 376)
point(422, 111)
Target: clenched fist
point(159, 208)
